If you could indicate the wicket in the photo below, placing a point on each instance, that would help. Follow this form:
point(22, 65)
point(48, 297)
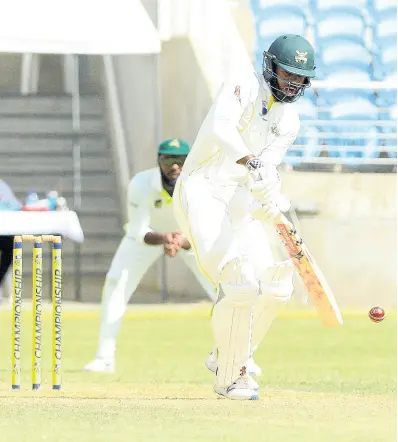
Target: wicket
point(37, 309)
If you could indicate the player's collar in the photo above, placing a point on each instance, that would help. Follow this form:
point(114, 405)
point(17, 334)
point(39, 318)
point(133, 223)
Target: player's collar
point(265, 87)
point(157, 185)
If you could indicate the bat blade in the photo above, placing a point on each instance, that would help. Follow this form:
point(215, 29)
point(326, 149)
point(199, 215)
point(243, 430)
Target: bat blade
point(318, 289)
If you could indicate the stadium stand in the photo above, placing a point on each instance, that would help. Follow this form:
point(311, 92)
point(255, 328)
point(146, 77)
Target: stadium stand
point(343, 128)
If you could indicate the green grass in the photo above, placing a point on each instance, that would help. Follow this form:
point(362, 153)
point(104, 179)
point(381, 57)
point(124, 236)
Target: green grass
point(319, 384)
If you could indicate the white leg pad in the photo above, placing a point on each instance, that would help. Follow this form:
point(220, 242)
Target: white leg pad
point(265, 311)
point(232, 322)
point(276, 290)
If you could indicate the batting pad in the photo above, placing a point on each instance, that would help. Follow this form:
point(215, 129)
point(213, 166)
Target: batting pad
point(232, 328)
point(265, 311)
point(276, 289)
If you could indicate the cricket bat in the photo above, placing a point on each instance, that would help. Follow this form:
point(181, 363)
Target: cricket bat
point(314, 281)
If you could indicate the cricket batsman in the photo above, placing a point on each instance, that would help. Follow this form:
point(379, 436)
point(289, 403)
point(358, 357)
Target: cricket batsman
point(229, 189)
point(151, 231)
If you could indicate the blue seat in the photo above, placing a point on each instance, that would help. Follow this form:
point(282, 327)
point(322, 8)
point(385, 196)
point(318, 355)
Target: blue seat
point(331, 97)
point(306, 108)
point(322, 5)
point(334, 95)
point(386, 97)
point(306, 146)
point(340, 22)
point(272, 22)
point(265, 4)
point(387, 102)
point(263, 44)
point(309, 94)
point(385, 27)
point(359, 139)
point(345, 71)
point(336, 54)
point(355, 109)
point(378, 6)
point(335, 50)
point(385, 63)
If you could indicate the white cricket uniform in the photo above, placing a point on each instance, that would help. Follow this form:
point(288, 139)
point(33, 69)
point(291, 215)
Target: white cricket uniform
point(149, 209)
point(212, 203)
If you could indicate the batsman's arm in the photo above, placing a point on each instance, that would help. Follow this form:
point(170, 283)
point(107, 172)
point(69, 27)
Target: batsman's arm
point(234, 97)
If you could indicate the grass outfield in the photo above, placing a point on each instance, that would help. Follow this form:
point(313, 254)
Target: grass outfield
point(318, 385)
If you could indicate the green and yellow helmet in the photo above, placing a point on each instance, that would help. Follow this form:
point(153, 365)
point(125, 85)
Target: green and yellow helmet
point(295, 55)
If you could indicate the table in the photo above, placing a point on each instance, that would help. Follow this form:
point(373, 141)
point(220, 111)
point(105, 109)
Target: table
point(65, 223)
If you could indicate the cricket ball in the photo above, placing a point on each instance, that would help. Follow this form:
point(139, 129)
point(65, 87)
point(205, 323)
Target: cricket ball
point(377, 314)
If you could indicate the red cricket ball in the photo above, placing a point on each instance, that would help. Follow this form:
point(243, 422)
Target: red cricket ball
point(377, 314)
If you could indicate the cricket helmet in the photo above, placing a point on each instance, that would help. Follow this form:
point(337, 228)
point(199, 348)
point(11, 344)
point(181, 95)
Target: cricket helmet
point(295, 55)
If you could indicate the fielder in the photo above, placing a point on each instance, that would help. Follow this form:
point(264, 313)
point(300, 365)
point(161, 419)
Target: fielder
point(229, 189)
point(151, 231)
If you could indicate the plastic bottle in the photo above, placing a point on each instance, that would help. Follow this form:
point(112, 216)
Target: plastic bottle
point(32, 198)
point(52, 198)
point(34, 204)
point(61, 204)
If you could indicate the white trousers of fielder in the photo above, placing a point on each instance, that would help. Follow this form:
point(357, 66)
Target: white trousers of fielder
point(130, 263)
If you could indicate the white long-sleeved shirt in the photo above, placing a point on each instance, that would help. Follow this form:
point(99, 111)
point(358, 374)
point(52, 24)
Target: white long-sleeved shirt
point(149, 206)
point(244, 120)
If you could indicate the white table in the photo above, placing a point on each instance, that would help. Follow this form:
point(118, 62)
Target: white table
point(65, 223)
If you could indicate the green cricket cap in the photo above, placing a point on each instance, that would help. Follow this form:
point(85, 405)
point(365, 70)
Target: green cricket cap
point(174, 146)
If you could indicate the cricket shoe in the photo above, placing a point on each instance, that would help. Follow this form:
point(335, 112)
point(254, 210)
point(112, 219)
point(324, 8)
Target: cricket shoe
point(242, 389)
point(101, 366)
point(252, 367)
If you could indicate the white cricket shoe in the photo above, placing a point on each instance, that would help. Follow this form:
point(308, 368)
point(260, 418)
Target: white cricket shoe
point(252, 367)
point(101, 366)
point(242, 389)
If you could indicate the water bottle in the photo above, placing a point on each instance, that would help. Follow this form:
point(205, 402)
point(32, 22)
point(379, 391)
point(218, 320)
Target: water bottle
point(61, 204)
point(33, 203)
point(52, 198)
point(32, 198)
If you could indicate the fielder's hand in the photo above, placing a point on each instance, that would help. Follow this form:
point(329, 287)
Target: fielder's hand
point(173, 244)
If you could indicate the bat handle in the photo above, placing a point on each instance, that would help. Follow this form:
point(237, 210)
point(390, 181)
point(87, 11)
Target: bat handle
point(281, 219)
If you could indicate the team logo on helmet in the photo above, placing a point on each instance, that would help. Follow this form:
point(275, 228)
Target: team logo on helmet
point(301, 57)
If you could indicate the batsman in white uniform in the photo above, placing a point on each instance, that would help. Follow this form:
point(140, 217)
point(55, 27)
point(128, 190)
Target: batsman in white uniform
point(230, 189)
point(151, 231)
